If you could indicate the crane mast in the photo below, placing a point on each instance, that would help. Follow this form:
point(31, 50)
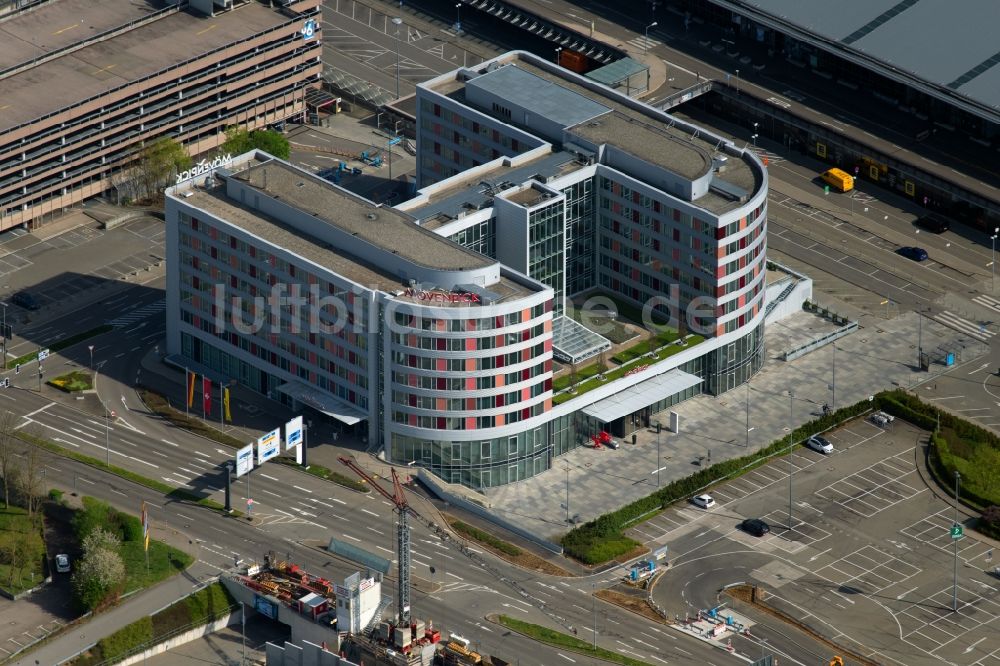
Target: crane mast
point(398, 500)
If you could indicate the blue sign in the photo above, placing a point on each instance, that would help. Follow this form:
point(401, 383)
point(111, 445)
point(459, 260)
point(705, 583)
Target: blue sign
point(309, 29)
point(393, 142)
point(293, 433)
point(265, 607)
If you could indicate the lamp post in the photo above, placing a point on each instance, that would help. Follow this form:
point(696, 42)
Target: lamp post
point(658, 466)
point(593, 595)
point(558, 50)
point(920, 339)
point(567, 493)
point(645, 44)
point(993, 264)
point(737, 82)
point(954, 587)
point(754, 139)
point(791, 399)
point(458, 17)
point(747, 445)
point(833, 386)
point(396, 21)
point(5, 339)
point(90, 347)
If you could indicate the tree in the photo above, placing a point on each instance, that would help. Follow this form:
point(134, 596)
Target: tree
point(98, 578)
point(8, 463)
point(239, 141)
point(100, 538)
point(160, 160)
point(602, 364)
point(31, 479)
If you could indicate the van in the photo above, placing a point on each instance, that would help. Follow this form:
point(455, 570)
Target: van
point(841, 180)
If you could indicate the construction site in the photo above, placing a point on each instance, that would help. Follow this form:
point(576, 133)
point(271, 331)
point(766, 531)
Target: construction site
point(347, 620)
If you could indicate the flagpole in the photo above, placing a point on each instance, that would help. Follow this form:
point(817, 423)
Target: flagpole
point(205, 397)
point(222, 407)
point(187, 390)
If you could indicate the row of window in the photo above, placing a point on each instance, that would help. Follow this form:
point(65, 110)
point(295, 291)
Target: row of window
point(462, 423)
point(467, 404)
point(418, 323)
point(436, 382)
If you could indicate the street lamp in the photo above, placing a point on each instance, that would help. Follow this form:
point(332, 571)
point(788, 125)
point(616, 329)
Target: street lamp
point(5, 336)
point(833, 386)
point(645, 44)
point(754, 139)
point(954, 589)
point(993, 266)
point(658, 466)
point(567, 493)
point(396, 21)
point(737, 82)
point(558, 49)
point(791, 398)
point(593, 594)
point(458, 17)
point(747, 445)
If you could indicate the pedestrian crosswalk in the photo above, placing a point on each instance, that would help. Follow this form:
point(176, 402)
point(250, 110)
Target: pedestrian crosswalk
point(139, 314)
point(975, 330)
point(988, 301)
point(644, 43)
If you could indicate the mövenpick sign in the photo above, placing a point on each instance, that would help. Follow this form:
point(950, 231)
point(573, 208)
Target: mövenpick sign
point(204, 167)
point(443, 296)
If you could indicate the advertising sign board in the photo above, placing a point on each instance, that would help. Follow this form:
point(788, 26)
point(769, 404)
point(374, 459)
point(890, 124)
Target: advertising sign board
point(244, 460)
point(265, 607)
point(268, 446)
point(293, 432)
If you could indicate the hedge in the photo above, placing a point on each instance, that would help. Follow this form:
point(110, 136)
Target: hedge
point(126, 639)
point(603, 539)
point(59, 345)
point(486, 538)
point(206, 605)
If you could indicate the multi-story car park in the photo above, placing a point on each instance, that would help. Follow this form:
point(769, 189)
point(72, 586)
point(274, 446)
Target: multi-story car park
point(446, 354)
point(85, 84)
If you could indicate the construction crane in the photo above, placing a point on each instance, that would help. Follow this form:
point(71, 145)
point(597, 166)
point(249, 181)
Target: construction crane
point(398, 500)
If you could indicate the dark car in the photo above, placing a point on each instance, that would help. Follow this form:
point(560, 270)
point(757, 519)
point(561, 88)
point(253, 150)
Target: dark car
point(25, 300)
point(914, 253)
point(934, 223)
point(755, 526)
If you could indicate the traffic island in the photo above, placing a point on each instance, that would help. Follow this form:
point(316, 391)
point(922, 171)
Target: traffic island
point(560, 640)
point(73, 382)
point(504, 549)
point(756, 597)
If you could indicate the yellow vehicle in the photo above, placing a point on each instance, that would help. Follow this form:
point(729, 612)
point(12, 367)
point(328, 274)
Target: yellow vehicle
point(841, 180)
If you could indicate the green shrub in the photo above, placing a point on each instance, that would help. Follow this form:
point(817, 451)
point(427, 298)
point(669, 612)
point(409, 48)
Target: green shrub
point(127, 639)
point(95, 513)
point(602, 539)
point(55, 495)
point(130, 527)
point(486, 538)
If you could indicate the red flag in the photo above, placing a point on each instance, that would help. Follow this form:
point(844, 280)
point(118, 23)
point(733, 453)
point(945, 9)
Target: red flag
point(206, 394)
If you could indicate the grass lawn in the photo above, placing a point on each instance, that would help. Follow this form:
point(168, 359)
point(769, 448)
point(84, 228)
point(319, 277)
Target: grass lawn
point(16, 526)
point(164, 561)
point(328, 474)
point(613, 330)
point(593, 382)
point(73, 381)
point(162, 407)
point(559, 639)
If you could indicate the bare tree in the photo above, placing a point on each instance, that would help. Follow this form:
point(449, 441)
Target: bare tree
point(572, 376)
point(31, 480)
point(8, 455)
point(602, 363)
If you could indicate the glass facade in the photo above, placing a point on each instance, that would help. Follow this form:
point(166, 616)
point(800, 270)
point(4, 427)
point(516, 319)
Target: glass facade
point(733, 364)
point(580, 233)
point(481, 238)
point(481, 463)
point(547, 250)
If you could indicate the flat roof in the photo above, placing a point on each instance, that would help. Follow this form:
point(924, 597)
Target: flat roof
point(952, 46)
point(537, 95)
point(102, 66)
point(383, 227)
point(642, 132)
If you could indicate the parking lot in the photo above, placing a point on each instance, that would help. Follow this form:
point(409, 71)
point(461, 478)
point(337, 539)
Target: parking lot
point(867, 563)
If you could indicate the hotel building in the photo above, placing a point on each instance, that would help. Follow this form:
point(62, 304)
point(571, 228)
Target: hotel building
point(84, 84)
point(534, 185)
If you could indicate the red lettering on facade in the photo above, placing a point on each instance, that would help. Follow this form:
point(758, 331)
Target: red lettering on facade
point(442, 296)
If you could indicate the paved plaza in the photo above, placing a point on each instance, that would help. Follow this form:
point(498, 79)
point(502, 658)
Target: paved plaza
point(880, 355)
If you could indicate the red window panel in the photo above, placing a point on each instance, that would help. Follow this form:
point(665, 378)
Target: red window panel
point(500, 361)
point(677, 235)
point(500, 400)
point(526, 374)
point(412, 400)
point(442, 344)
point(525, 413)
point(441, 423)
point(548, 384)
point(437, 110)
point(548, 365)
point(656, 206)
point(442, 384)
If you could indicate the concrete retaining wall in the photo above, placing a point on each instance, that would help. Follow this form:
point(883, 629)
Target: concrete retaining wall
point(790, 304)
point(438, 487)
point(181, 639)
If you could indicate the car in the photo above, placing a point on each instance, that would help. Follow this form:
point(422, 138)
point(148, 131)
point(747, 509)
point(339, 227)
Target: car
point(703, 501)
point(914, 253)
point(934, 223)
point(755, 526)
point(62, 563)
point(25, 300)
point(821, 444)
point(612, 444)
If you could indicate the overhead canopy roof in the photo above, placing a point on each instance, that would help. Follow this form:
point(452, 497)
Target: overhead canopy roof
point(946, 47)
point(641, 395)
point(614, 73)
point(323, 402)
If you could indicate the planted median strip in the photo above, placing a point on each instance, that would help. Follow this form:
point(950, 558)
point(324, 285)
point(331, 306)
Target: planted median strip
point(561, 640)
point(168, 490)
point(59, 345)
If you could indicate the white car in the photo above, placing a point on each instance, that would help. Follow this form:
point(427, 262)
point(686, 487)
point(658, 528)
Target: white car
point(703, 501)
point(62, 563)
point(820, 444)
